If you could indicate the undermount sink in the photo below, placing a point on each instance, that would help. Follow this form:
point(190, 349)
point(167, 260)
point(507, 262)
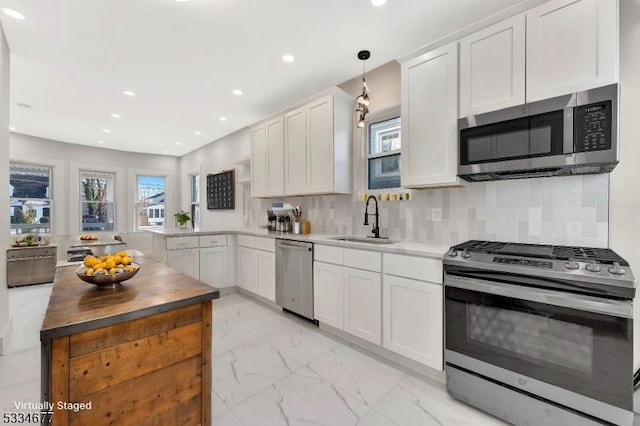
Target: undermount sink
point(367, 240)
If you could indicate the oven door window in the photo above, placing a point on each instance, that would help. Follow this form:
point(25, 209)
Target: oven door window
point(581, 351)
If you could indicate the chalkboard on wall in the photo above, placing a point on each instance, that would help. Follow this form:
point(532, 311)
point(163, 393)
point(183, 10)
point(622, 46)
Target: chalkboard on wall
point(220, 191)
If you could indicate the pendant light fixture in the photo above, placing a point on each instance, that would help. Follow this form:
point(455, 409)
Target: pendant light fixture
point(362, 101)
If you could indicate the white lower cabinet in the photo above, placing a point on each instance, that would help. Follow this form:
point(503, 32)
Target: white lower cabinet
point(328, 294)
point(362, 304)
point(413, 320)
point(213, 266)
point(186, 261)
point(348, 299)
point(247, 271)
point(266, 281)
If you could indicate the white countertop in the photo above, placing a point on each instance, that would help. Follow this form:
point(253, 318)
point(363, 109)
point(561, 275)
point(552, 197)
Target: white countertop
point(413, 248)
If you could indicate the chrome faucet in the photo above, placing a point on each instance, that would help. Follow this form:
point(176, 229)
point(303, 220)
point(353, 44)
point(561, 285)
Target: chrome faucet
point(376, 228)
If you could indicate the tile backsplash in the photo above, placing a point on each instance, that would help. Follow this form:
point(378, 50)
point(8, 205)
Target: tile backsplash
point(571, 210)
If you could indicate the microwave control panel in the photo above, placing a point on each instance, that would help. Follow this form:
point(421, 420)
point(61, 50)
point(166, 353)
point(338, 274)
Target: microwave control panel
point(592, 130)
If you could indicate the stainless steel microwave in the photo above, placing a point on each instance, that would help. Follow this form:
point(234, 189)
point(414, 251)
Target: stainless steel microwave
point(567, 135)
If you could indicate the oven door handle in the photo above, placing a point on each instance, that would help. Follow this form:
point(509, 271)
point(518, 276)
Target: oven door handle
point(617, 308)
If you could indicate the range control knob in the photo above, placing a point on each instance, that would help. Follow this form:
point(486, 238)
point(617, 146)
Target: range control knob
point(452, 253)
point(616, 269)
point(572, 264)
point(593, 266)
point(465, 254)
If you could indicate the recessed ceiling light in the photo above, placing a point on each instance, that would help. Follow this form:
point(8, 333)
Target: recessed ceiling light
point(378, 2)
point(12, 129)
point(128, 93)
point(100, 142)
point(165, 152)
point(13, 13)
point(115, 115)
point(179, 143)
point(237, 92)
point(197, 132)
point(25, 106)
point(288, 58)
point(106, 130)
point(222, 118)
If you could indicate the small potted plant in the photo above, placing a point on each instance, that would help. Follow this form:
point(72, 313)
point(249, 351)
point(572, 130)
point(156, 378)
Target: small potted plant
point(182, 218)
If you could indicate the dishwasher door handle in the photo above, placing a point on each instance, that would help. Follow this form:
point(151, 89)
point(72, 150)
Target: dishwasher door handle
point(289, 246)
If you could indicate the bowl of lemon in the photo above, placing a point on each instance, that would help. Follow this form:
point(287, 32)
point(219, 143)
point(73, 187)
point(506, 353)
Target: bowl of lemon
point(107, 271)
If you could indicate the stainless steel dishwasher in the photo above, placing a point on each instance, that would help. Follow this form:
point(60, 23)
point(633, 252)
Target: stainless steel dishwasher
point(294, 276)
point(31, 265)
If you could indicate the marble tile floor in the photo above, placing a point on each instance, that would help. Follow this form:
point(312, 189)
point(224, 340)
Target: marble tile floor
point(269, 368)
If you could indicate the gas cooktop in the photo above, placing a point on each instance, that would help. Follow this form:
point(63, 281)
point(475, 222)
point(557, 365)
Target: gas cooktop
point(586, 254)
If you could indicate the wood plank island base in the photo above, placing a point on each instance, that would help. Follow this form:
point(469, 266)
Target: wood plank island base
point(138, 354)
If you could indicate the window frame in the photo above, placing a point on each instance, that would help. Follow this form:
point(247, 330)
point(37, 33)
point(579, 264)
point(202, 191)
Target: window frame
point(137, 204)
point(49, 198)
point(87, 172)
point(194, 202)
point(377, 117)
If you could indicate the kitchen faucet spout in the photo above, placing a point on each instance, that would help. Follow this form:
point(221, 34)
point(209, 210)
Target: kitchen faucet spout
point(376, 228)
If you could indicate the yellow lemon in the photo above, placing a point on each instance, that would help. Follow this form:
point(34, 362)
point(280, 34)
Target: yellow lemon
point(126, 260)
point(109, 264)
point(89, 271)
point(121, 254)
point(117, 259)
point(89, 261)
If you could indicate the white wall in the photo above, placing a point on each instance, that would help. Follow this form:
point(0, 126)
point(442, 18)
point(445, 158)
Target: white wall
point(68, 159)
point(5, 324)
point(215, 157)
point(624, 214)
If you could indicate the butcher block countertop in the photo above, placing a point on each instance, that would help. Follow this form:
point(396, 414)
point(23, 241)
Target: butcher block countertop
point(78, 306)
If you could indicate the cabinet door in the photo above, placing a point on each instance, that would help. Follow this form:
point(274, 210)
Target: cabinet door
point(213, 266)
point(295, 139)
point(571, 46)
point(266, 275)
point(412, 319)
point(320, 149)
point(247, 269)
point(429, 119)
point(328, 294)
point(363, 304)
point(258, 161)
point(275, 157)
point(186, 261)
point(492, 66)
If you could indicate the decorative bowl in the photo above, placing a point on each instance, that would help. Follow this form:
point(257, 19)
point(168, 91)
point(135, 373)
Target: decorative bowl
point(107, 281)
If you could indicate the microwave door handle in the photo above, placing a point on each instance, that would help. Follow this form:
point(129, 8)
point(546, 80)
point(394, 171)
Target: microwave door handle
point(549, 297)
point(567, 133)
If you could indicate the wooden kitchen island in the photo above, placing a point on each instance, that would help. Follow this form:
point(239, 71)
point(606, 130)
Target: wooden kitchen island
point(137, 354)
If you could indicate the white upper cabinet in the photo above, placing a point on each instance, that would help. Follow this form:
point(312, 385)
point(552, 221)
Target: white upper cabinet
point(258, 161)
point(429, 119)
point(275, 156)
point(295, 153)
point(308, 149)
point(571, 46)
point(492, 67)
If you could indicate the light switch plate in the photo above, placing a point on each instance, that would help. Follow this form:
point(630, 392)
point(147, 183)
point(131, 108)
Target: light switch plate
point(436, 214)
point(331, 213)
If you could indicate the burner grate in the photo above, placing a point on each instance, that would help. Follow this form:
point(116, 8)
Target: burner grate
point(601, 255)
point(480, 246)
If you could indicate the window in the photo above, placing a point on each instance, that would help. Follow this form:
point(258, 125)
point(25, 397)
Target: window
point(383, 152)
point(150, 202)
point(97, 200)
point(195, 199)
point(29, 198)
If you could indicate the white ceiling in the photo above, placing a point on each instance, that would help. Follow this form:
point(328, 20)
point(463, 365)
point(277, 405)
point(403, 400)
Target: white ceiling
point(71, 59)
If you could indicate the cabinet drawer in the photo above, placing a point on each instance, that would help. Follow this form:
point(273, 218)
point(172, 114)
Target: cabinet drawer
point(362, 259)
point(246, 241)
point(213, 240)
point(418, 268)
point(266, 244)
point(328, 254)
point(178, 243)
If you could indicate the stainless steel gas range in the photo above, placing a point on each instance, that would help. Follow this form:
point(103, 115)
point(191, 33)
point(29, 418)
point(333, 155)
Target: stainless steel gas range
point(540, 334)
